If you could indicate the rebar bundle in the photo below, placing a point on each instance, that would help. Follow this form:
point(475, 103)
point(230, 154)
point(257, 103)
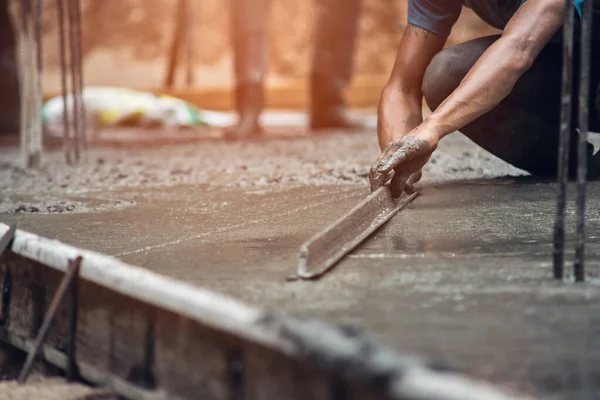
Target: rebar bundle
point(27, 19)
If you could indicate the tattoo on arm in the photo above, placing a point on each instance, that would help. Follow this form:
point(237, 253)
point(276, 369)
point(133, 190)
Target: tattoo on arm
point(413, 30)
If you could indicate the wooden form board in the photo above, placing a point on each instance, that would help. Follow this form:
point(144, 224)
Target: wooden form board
point(147, 336)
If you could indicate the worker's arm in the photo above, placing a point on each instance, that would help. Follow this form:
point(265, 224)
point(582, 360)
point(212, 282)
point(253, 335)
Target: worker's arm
point(400, 107)
point(494, 75)
point(488, 82)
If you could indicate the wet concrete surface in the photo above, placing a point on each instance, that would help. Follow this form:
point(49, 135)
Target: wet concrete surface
point(463, 274)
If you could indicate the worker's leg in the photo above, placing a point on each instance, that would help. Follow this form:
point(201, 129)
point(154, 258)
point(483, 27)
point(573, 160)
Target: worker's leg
point(523, 128)
point(250, 41)
point(332, 64)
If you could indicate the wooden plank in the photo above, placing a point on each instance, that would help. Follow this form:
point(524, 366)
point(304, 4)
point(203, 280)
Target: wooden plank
point(148, 337)
point(180, 344)
point(66, 282)
point(23, 17)
point(277, 373)
point(324, 250)
point(157, 290)
point(7, 237)
point(97, 376)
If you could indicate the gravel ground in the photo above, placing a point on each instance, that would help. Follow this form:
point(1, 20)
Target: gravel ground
point(334, 158)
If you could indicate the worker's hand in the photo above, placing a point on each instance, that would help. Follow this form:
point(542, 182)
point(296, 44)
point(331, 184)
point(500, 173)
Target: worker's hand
point(402, 160)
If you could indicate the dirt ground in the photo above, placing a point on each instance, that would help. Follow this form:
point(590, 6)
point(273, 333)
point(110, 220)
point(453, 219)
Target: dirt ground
point(283, 162)
point(39, 385)
point(42, 388)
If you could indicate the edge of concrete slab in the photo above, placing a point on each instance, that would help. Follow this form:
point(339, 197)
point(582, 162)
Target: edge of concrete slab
point(147, 336)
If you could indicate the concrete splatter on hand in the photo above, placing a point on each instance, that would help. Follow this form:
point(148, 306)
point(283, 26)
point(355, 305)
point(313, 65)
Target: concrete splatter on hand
point(401, 162)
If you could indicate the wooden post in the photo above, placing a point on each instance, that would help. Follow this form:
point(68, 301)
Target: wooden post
point(26, 21)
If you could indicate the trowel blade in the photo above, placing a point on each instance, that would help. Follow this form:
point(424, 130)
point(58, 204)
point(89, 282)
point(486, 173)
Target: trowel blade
point(324, 250)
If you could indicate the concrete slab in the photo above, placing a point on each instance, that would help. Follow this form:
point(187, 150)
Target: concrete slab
point(463, 274)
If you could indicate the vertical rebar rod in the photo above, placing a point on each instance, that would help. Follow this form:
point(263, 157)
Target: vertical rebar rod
point(74, 80)
point(563, 145)
point(62, 34)
point(39, 13)
point(37, 82)
point(584, 94)
point(79, 61)
point(23, 15)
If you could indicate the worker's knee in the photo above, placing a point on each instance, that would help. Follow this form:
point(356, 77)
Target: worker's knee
point(443, 75)
point(450, 66)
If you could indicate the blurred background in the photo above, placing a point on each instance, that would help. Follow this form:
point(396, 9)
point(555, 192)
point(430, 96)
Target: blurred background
point(128, 43)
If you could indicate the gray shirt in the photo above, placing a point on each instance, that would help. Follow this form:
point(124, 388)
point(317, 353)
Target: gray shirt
point(438, 16)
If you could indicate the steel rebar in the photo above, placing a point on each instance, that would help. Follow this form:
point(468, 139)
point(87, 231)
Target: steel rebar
point(74, 80)
point(61, 5)
point(37, 134)
point(563, 145)
point(584, 94)
point(79, 62)
point(39, 13)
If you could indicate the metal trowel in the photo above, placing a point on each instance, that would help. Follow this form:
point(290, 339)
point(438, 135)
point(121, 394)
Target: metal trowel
point(324, 250)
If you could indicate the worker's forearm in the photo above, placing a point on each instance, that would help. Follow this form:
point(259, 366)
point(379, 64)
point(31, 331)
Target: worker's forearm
point(398, 114)
point(490, 80)
point(494, 75)
point(400, 107)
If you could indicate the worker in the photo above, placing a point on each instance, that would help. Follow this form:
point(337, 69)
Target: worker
point(502, 91)
point(332, 63)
